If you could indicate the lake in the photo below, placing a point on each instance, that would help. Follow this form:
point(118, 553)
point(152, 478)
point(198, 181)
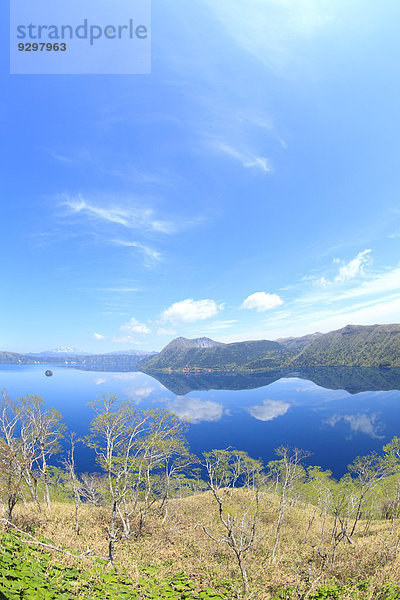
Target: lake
point(337, 414)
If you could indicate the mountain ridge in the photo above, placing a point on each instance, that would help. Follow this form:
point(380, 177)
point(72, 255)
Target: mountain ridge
point(352, 345)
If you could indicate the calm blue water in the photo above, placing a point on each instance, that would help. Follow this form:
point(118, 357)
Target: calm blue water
point(334, 424)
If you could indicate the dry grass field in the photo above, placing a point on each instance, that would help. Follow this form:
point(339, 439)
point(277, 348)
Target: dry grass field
point(306, 560)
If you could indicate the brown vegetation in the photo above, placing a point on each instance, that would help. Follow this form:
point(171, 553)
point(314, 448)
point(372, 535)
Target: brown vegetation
point(304, 561)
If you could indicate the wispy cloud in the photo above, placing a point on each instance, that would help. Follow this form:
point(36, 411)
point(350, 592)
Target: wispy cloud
point(121, 166)
point(124, 339)
point(353, 281)
point(152, 256)
point(129, 216)
point(117, 290)
point(165, 331)
point(217, 325)
point(273, 31)
point(246, 159)
point(128, 172)
point(378, 283)
point(62, 159)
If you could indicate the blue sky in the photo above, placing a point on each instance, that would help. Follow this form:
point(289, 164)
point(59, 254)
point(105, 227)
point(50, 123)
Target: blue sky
point(247, 189)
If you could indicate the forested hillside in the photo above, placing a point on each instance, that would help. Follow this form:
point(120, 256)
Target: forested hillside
point(354, 345)
point(244, 355)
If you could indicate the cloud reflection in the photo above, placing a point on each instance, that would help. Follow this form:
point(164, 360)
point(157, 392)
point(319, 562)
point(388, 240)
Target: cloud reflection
point(360, 423)
point(269, 410)
point(196, 410)
point(138, 393)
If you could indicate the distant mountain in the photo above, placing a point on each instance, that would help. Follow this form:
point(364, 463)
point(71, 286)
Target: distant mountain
point(12, 358)
point(130, 353)
point(102, 362)
point(352, 346)
point(57, 352)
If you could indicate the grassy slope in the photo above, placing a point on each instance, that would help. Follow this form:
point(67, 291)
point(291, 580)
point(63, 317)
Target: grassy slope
point(177, 546)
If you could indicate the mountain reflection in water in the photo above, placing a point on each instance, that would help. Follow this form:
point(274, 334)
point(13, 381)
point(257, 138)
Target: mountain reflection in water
point(351, 379)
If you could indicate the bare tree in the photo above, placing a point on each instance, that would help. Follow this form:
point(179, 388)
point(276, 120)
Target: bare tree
point(92, 488)
point(131, 445)
point(114, 433)
point(69, 464)
point(319, 486)
point(41, 432)
point(287, 472)
point(163, 450)
point(13, 460)
point(226, 469)
point(369, 471)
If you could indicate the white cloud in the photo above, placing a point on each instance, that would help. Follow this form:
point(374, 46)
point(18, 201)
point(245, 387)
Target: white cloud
point(269, 410)
point(98, 336)
point(261, 301)
point(196, 410)
point(348, 270)
point(189, 311)
point(247, 159)
point(133, 326)
point(353, 268)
